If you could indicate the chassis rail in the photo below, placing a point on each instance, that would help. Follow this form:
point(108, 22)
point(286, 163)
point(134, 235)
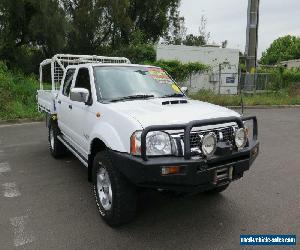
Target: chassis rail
point(187, 130)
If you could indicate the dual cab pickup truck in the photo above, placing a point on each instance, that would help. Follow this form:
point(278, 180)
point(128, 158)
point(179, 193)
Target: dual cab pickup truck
point(133, 127)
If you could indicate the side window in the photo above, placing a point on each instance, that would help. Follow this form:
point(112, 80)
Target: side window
point(83, 81)
point(68, 82)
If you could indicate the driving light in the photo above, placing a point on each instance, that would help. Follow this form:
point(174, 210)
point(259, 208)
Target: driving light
point(157, 143)
point(240, 138)
point(209, 144)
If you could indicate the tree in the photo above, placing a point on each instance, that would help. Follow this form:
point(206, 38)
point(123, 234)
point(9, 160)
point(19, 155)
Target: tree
point(202, 29)
point(283, 48)
point(153, 18)
point(202, 38)
point(177, 30)
point(30, 27)
point(38, 29)
point(89, 25)
point(177, 33)
point(193, 40)
point(96, 24)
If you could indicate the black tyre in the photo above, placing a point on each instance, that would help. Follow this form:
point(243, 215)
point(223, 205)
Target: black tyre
point(217, 189)
point(116, 198)
point(57, 149)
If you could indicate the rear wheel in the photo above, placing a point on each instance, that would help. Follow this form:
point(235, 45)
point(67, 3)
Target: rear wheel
point(115, 197)
point(57, 149)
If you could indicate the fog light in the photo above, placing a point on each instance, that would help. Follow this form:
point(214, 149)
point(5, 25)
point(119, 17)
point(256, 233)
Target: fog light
point(209, 144)
point(170, 170)
point(240, 138)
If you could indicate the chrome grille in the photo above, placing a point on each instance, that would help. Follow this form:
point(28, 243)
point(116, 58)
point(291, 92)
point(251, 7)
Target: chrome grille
point(195, 137)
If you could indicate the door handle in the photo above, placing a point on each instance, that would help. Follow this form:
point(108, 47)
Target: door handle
point(70, 106)
point(59, 101)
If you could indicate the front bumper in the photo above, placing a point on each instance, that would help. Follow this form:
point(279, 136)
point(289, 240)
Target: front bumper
point(195, 175)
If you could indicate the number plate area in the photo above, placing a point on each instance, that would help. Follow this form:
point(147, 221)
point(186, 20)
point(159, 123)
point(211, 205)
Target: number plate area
point(223, 175)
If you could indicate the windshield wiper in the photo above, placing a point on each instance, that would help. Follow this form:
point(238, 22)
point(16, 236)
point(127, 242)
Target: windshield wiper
point(131, 97)
point(174, 95)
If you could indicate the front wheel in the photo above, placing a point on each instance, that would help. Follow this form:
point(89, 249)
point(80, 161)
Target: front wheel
point(115, 196)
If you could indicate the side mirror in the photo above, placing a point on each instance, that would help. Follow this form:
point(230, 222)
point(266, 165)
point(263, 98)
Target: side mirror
point(184, 89)
point(79, 95)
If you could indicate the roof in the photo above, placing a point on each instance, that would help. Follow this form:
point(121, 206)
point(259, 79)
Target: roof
point(111, 64)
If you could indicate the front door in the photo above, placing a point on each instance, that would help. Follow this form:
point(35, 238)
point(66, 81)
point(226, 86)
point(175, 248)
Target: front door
point(81, 113)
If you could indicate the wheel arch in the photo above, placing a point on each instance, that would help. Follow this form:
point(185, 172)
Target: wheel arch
point(97, 145)
point(51, 120)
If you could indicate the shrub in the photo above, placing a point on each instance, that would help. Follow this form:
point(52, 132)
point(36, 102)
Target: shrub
point(18, 95)
point(179, 71)
point(136, 53)
point(291, 76)
point(281, 78)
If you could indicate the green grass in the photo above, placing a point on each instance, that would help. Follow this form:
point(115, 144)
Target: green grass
point(270, 98)
point(17, 95)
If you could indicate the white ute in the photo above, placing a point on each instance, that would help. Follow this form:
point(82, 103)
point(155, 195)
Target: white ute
point(133, 127)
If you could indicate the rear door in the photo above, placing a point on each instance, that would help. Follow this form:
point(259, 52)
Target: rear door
point(64, 102)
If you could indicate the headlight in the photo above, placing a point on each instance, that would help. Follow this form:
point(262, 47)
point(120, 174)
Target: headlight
point(157, 143)
point(209, 144)
point(240, 138)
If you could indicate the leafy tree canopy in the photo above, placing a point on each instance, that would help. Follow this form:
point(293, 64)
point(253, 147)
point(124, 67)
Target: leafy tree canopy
point(35, 29)
point(283, 48)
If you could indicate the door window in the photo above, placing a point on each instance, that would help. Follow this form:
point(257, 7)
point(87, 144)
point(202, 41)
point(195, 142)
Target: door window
point(68, 82)
point(83, 81)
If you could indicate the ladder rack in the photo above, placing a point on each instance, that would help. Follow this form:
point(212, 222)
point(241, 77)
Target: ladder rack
point(59, 63)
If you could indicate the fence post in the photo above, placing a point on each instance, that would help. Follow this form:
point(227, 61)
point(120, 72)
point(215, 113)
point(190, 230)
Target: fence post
point(220, 75)
point(254, 82)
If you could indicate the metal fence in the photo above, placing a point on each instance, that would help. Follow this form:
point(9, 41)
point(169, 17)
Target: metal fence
point(229, 83)
point(258, 82)
point(234, 83)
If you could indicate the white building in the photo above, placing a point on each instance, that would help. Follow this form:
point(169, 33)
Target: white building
point(223, 76)
point(291, 64)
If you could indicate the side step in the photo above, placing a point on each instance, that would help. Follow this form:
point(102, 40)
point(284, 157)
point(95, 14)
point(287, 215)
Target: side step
point(73, 150)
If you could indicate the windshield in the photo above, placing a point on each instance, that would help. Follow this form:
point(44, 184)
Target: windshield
point(117, 83)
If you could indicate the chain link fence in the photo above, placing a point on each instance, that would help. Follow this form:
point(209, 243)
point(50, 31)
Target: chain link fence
point(223, 83)
point(234, 83)
point(253, 83)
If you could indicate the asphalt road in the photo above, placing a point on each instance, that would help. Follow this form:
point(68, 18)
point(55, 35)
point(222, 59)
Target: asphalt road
point(48, 204)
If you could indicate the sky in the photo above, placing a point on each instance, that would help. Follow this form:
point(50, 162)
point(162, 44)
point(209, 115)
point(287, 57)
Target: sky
point(227, 20)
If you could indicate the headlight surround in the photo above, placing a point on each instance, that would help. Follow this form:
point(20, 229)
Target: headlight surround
point(157, 143)
point(209, 144)
point(240, 138)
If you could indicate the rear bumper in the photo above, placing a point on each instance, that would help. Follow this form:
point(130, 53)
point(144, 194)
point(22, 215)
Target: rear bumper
point(195, 175)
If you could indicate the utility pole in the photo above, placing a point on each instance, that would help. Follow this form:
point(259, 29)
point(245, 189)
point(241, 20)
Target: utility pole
point(251, 42)
point(252, 35)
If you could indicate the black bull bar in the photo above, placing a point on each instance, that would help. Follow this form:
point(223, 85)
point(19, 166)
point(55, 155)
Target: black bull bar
point(188, 127)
